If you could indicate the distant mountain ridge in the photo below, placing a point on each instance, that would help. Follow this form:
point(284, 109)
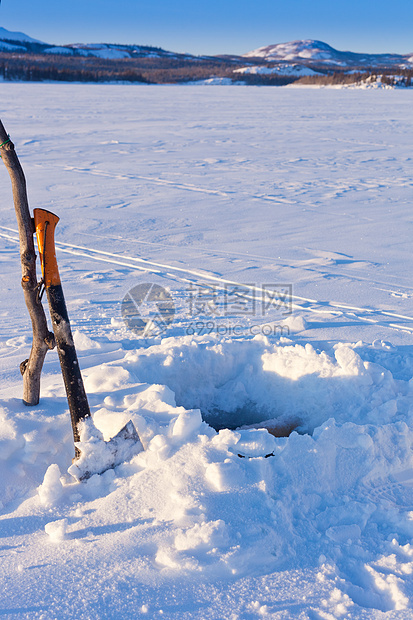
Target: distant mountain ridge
point(304, 61)
point(14, 41)
point(312, 52)
point(308, 52)
point(8, 35)
point(108, 51)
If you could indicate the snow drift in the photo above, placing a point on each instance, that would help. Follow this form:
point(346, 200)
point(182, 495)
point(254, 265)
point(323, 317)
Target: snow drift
point(210, 501)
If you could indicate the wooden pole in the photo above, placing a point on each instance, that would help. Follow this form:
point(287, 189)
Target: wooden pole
point(43, 340)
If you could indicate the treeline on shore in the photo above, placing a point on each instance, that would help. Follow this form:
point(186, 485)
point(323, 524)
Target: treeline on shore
point(161, 70)
point(403, 77)
point(173, 69)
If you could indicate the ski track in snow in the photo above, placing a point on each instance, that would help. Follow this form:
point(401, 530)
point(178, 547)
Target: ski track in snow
point(309, 305)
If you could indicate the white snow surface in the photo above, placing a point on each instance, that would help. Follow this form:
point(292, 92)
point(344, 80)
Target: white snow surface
point(9, 47)
point(102, 50)
point(283, 69)
point(111, 54)
point(218, 195)
point(66, 51)
point(214, 81)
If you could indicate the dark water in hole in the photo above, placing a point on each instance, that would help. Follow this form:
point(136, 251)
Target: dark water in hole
point(249, 415)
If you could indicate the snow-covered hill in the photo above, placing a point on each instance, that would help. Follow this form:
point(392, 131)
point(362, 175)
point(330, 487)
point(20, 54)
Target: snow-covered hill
point(109, 51)
point(18, 41)
point(317, 52)
point(9, 35)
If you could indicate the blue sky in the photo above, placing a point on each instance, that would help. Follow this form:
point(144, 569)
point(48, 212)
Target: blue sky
point(216, 26)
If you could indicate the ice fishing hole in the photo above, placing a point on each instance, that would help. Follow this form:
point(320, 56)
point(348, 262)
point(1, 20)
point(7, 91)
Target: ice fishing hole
point(240, 384)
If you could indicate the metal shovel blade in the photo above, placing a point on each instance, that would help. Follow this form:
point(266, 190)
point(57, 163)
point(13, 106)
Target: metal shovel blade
point(97, 456)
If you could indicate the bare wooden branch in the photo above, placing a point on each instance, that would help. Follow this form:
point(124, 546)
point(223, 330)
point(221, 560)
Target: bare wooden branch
point(43, 340)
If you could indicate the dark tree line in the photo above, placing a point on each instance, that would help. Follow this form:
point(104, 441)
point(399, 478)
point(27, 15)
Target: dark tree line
point(392, 77)
point(166, 68)
point(31, 70)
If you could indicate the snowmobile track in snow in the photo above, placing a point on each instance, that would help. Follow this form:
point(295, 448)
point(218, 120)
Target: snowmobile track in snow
point(186, 274)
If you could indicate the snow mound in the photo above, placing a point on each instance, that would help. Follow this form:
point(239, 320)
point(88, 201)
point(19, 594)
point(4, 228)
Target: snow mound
point(83, 342)
point(236, 383)
point(56, 530)
point(51, 488)
point(235, 503)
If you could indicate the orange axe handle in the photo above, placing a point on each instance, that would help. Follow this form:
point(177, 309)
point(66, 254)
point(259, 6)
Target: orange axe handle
point(45, 223)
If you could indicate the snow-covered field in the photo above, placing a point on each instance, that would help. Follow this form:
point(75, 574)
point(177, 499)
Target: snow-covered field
point(279, 224)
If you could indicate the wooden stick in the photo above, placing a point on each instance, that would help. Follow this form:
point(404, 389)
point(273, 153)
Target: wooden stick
point(43, 340)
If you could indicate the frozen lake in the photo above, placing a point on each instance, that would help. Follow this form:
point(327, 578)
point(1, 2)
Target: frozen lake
point(279, 213)
point(257, 185)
